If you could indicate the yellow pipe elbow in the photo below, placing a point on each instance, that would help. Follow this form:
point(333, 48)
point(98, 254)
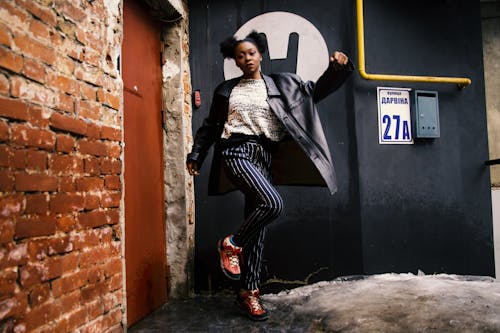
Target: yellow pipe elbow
point(461, 82)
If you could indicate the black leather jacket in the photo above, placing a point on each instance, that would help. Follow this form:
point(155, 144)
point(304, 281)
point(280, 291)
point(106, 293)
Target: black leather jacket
point(304, 159)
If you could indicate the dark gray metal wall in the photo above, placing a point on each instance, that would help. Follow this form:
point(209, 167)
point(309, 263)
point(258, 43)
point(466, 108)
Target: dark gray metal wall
point(399, 208)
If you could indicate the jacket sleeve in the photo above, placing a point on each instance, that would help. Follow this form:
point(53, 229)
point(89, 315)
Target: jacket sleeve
point(209, 131)
point(334, 76)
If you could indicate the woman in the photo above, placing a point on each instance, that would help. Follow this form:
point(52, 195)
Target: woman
point(266, 131)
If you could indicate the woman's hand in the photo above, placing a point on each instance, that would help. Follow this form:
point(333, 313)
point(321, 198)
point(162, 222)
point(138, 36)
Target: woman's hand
point(192, 167)
point(340, 58)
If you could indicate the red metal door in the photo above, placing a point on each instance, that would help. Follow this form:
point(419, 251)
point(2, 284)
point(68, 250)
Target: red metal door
point(145, 245)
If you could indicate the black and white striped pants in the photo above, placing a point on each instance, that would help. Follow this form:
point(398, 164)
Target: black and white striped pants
point(248, 165)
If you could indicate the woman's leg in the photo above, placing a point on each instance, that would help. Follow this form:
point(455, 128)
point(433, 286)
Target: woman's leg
point(248, 166)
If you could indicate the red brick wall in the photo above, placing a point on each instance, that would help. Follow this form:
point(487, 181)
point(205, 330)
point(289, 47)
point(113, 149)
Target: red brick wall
point(60, 168)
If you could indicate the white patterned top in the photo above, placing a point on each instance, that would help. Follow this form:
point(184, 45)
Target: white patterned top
point(250, 114)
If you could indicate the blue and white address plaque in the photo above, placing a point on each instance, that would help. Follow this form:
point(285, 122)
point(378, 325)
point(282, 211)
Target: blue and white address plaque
point(394, 120)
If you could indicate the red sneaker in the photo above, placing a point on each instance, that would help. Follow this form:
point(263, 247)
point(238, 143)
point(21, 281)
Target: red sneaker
point(249, 301)
point(230, 258)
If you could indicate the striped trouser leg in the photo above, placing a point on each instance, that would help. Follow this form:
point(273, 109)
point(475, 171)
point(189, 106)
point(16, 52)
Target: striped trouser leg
point(248, 165)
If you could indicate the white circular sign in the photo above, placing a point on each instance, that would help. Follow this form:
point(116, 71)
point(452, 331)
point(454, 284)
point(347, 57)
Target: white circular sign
point(312, 55)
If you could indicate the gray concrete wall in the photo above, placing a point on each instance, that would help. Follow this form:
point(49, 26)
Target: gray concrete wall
point(491, 52)
point(177, 138)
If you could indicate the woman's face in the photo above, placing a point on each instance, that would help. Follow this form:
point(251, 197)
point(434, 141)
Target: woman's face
point(248, 58)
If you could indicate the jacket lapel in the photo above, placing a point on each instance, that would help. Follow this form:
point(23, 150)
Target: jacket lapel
point(272, 90)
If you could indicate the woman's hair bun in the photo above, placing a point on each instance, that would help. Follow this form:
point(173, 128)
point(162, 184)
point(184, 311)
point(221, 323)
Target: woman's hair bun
point(228, 45)
point(260, 41)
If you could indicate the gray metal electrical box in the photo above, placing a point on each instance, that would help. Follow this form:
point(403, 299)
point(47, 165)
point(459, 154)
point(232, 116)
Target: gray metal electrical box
point(426, 113)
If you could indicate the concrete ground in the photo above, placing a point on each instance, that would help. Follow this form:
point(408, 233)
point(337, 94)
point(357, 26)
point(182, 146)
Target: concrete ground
point(380, 303)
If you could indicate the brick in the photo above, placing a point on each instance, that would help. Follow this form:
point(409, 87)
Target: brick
point(32, 137)
point(66, 184)
point(92, 57)
point(70, 261)
point(38, 117)
point(18, 159)
point(108, 99)
point(66, 164)
point(5, 35)
point(68, 283)
point(10, 60)
point(95, 273)
point(34, 70)
point(92, 202)
point(89, 74)
point(90, 184)
point(39, 29)
point(87, 38)
point(7, 230)
point(6, 155)
point(112, 267)
point(76, 53)
point(37, 272)
point(112, 182)
point(65, 143)
point(65, 65)
point(88, 92)
point(32, 91)
point(71, 12)
point(114, 149)
point(14, 307)
point(11, 205)
point(66, 202)
point(85, 239)
point(93, 131)
point(59, 245)
point(38, 249)
point(8, 279)
point(109, 300)
point(93, 292)
point(68, 124)
point(92, 147)
point(111, 200)
point(113, 216)
point(39, 294)
point(68, 28)
point(15, 16)
point(110, 166)
point(37, 204)
point(64, 102)
point(44, 13)
point(76, 319)
point(6, 181)
point(14, 109)
point(95, 306)
point(41, 315)
point(36, 160)
point(106, 234)
point(93, 219)
point(66, 223)
point(35, 182)
point(35, 226)
point(63, 83)
point(70, 301)
point(111, 133)
point(13, 255)
point(4, 85)
point(92, 166)
point(4, 131)
point(30, 47)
